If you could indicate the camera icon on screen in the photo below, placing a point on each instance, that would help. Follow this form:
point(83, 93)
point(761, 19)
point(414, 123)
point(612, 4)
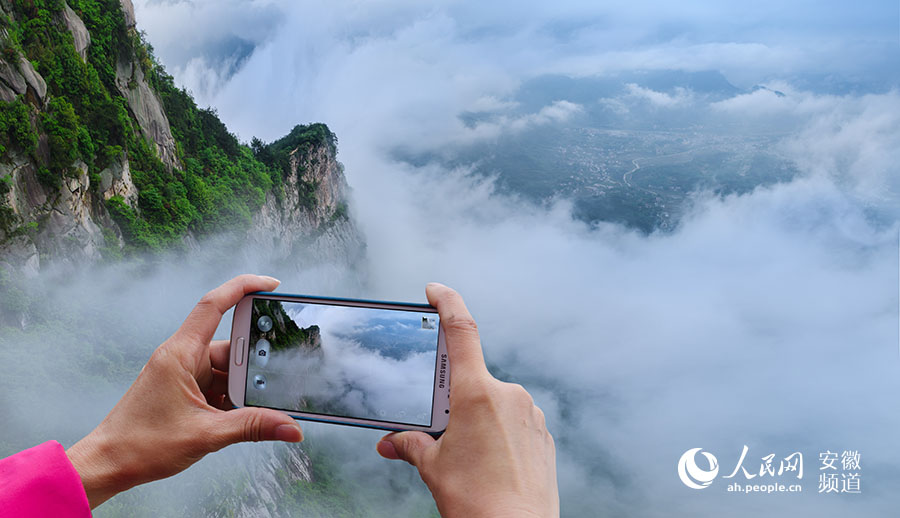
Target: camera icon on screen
point(261, 353)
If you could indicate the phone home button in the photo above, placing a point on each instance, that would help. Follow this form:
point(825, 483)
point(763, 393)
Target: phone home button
point(239, 351)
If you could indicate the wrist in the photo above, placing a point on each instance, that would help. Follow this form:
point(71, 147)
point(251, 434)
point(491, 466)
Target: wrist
point(499, 511)
point(94, 459)
point(495, 506)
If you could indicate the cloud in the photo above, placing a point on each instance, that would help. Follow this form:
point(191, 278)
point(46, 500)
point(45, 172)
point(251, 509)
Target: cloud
point(760, 321)
point(555, 113)
point(205, 42)
point(851, 139)
point(502, 42)
point(660, 99)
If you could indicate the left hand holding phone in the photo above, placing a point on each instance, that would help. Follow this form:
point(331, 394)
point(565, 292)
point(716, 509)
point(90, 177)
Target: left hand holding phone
point(177, 410)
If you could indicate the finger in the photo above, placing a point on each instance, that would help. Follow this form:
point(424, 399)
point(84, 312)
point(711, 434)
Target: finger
point(407, 446)
point(460, 332)
point(255, 424)
point(219, 351)
point(201, 324)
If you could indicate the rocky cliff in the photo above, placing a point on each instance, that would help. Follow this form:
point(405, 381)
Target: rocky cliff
point(310, 222)
point(285, 333)
point(130, 164)
point(258, 489)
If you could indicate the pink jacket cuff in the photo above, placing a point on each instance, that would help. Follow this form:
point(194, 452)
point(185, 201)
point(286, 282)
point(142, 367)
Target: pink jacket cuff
point(41, 482)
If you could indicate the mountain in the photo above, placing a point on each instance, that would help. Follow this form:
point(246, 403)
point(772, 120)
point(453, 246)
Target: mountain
point(102, 156)
point(285, 333)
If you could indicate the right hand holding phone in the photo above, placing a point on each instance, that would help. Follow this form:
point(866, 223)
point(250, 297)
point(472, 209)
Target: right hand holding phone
point(496, 457)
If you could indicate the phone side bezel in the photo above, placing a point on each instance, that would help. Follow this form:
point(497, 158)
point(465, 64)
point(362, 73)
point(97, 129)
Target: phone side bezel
point(239, 366)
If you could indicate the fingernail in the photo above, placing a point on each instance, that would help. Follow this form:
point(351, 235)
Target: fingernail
point(288, 433)
point(273, 279)
point(386, 449)
point(434, 284)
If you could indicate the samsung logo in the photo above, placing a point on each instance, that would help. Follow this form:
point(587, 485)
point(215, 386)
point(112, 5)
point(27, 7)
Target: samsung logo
point(442, 374)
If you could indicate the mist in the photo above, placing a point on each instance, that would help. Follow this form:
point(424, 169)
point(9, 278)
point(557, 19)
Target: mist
point(766, 318)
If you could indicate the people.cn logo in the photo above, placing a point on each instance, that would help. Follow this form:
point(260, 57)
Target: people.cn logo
point(693, 475)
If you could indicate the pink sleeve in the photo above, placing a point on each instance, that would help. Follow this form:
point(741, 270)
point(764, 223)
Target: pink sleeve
point(41, 482)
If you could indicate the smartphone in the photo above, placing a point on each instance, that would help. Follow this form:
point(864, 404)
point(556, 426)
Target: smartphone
point(345, 361)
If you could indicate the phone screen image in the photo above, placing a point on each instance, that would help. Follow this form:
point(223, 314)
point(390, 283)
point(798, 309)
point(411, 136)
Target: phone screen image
point(344, 361)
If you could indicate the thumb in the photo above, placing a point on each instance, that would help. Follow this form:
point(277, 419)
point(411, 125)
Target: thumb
point(257, 424)
point(408, 446)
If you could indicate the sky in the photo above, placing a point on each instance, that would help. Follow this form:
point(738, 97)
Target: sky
point(767, 319)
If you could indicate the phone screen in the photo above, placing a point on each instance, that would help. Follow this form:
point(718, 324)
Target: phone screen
point(345, 361)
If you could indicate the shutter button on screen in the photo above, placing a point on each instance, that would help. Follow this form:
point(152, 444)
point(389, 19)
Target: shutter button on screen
point(239, 351)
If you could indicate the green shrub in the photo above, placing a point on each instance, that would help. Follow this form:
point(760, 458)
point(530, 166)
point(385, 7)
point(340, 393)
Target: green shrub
point(65, 135)
point(16, 130)
point(49, 180)
point(8, 218)
point(135, 231)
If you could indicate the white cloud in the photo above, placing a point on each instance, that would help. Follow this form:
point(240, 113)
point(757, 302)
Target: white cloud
point(554, 113)
point(679, 97)
point(851, 139)
point(489, 103)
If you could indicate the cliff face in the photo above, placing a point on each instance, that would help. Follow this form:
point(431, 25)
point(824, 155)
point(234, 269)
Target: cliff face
point(310, 225)
point(67, 222)
point(285, 333)
point(259, 490)
point(59, 210)
point(143, 101)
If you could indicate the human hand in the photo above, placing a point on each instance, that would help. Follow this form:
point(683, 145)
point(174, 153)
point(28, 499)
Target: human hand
point(496, 457)
point(177, 410)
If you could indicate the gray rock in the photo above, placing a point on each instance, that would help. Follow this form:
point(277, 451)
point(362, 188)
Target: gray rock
point(128, 11)
point(11, 78)
point(254, 485)
point(21, 79)
point(20, 255)
point(70, 221)
point(7, 94)
point(80, 34)
point(70, 231)
point(36, 84)
point(116, 180)
point(309, 235)
point(147, 109)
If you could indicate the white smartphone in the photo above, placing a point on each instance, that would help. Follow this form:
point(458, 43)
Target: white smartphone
point(345, 361)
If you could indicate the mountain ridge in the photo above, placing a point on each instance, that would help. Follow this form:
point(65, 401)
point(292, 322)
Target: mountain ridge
point(103, 156)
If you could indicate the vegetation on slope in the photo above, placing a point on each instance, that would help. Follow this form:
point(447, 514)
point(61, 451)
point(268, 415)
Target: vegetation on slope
point(285, 333)
point(218, 183)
